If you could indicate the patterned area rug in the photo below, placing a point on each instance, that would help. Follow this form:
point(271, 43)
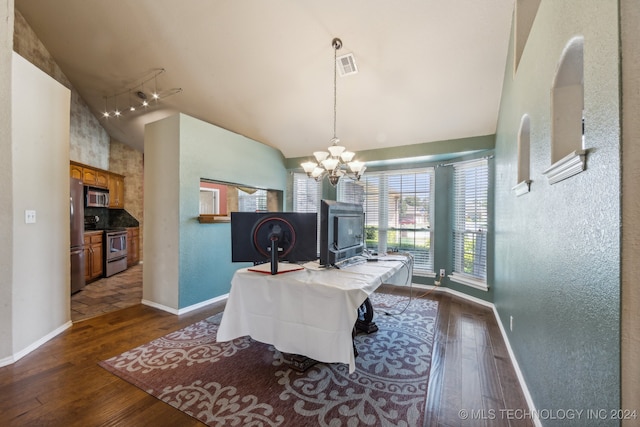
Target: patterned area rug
point(247, 383)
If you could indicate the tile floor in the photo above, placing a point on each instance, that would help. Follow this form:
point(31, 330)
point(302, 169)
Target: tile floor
point(108, 294)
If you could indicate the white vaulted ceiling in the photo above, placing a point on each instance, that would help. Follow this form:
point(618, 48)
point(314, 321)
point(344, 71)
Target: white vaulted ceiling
point(428, 70)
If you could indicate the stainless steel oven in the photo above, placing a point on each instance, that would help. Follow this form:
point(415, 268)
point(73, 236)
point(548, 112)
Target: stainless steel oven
point(115, 251)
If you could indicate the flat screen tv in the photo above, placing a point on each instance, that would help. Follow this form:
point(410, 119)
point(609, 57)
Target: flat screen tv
point(341, 231)
point(261, 237)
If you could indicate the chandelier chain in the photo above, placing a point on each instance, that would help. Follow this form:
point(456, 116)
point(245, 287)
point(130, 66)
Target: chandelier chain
point(335, 92)
point(336, 162)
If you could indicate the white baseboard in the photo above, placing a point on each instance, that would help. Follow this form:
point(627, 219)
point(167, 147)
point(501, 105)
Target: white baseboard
point(523, 384)
point(514, 362)
point(180, 311)
point(34, 346)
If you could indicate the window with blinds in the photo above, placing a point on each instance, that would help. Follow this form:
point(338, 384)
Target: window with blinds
point(307, 193)
point(470, 223)
point(397, 206)
point(252, 200)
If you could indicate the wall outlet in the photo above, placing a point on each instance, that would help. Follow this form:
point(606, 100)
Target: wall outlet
point(511, 323)
point(442, 272)
point(29, 217)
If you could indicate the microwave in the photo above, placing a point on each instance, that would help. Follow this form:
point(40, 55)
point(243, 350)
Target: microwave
point(96, 197)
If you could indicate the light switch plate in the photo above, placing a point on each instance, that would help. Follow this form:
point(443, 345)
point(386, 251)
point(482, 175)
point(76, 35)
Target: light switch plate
point(30, 216)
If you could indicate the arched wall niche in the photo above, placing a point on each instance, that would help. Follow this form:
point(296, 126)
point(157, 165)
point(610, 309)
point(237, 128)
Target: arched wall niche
point(523, 185)
point(567, 112)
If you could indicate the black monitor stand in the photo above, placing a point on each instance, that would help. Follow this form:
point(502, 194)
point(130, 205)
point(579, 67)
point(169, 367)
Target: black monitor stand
point(274, 254)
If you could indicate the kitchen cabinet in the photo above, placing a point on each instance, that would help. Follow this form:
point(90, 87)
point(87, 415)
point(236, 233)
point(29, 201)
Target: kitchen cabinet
point(93, 255)
point(95, 177)
point(76, 171)
point(116, 191)
point(133, 242)
point(89, 175)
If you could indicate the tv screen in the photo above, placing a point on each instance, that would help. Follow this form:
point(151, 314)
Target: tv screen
point(292, 234)
point(341, 231)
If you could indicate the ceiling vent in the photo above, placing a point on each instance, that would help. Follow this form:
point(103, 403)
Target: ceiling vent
point(347, 65)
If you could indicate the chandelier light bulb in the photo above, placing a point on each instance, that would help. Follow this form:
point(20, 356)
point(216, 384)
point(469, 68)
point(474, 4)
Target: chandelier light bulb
point(320, 155)
point(347, 156)
point(309, 167)
point(336, 150)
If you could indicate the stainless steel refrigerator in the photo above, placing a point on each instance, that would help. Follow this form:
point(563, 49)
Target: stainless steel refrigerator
point(76, 202)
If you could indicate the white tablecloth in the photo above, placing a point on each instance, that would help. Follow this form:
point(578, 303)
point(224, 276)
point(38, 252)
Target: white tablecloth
point(310, 312)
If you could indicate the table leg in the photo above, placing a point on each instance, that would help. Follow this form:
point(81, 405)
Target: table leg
point(365, 322)
point(298, 362)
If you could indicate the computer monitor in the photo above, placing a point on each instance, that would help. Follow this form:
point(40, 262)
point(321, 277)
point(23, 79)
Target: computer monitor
point(261, 237)
point(341, 231)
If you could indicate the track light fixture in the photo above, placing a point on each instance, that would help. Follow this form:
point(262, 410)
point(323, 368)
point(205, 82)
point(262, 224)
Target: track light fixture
point(137, 98)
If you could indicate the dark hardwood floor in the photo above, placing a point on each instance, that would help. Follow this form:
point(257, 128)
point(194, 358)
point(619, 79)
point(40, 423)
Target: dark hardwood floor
point(61, 384)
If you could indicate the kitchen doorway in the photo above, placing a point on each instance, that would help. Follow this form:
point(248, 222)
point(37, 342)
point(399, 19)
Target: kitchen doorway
point(108, 294)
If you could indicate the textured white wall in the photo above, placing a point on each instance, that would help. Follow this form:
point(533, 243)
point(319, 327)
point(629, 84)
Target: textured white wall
point(40, 147)
point(161, 212)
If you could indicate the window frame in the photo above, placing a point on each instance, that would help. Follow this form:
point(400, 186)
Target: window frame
point(376, 203)
point(467, 230)
point(307, 191)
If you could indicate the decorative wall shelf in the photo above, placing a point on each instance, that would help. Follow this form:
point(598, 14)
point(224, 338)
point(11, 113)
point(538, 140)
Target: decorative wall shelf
point(211, 219)
point(522, 188)
point(566, 167)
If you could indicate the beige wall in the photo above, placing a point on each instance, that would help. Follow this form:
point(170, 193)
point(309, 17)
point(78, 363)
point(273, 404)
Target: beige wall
point(630, 331)
point(6, 177)
point(88, 141)
point(41, 275)
point(160, 279)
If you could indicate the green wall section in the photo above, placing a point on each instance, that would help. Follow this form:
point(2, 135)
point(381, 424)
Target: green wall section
point(191, 262)
point(207, 151)
point(425, 153)
point(557, 248)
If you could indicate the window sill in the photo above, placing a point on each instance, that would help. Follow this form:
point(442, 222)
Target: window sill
point(469, 281)
point(424, 273)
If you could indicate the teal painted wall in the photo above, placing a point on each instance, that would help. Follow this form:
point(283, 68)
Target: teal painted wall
point(207, 151)
point(557, 248)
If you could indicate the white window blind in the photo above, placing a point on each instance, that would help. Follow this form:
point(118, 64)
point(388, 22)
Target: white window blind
point(471, 187)
point(397, 206)
point(307, 193)
point(252, 200)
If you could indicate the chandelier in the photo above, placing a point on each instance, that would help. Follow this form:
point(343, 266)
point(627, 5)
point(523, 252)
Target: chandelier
point(137, 97)
point(336, 162)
